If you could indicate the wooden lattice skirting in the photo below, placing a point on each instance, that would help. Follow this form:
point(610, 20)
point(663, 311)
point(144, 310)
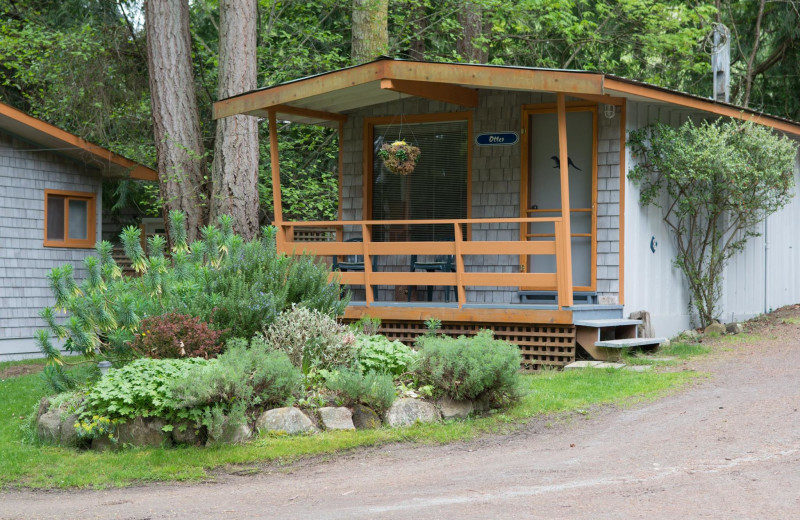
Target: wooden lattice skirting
point(541, 345)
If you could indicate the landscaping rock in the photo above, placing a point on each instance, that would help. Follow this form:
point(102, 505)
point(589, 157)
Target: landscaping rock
point(645, 328)
point(143, 431)
point(690, 335)
point(103, 444)
point(364, 418)
point(288, 420)
point(44, 406)
point(452, 409)
point(715, 328)
point(405, 412)
point(188, 433)
point(48, 427)
point(665, 344)
point(232, 433)
point(734, 328)
point(336, 418)
point(69, 435)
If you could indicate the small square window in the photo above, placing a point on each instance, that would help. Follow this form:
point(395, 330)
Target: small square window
point(69, 219)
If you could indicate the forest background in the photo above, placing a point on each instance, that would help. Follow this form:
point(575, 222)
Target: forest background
point(82, 65)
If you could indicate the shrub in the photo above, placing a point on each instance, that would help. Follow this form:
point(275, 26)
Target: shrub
point(354, 387)
point(378, 354)
point(465, 368)
point(176, 335)
point(311, 339)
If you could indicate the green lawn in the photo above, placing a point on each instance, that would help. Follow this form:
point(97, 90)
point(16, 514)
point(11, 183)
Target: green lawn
point(547, 393)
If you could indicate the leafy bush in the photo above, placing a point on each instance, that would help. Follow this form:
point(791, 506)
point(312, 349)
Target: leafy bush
point(139, 388)
point(378, 354)
point(354, 387)
point(311, 339)
point(465, 368)
point(176, 335)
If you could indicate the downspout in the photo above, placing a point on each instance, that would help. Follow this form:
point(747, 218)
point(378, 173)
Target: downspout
point(766, 247)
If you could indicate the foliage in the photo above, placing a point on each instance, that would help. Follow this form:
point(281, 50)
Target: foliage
point(311, 339)
point(353, 386)
point(465, 368)
point(174, 335)
point(714, 183)
point(139, 388)
point(367, 325)
point(399, 157)
point(378, 354)
point(97, 426)
point(432, 326)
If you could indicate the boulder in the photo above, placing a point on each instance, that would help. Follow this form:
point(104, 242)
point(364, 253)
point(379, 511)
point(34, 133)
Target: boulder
point(142, 431)
point(189, 433)
point(69, 435)
point(48, 427)
point(103, 444)
point(336, 418)
point(715, 328)
point(452, 409)
point(289, 420)
point(44, 406)
point(734, 328)
point(364, 418)
point(689, 335)
point(232, 433)
point(406, 411)
point(645, 328)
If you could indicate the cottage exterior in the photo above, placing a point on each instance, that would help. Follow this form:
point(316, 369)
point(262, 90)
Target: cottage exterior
point(50, 214)
point(490, 193)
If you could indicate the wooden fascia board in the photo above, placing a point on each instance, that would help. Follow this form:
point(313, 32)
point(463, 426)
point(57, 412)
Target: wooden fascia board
point(617, 87)
point(453, 94)
point(136, 170)
point(289, 92)
point(309, 113)
point(606, 100)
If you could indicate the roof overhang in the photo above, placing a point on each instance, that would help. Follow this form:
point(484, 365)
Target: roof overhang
point(34, 130)
point(324, 99)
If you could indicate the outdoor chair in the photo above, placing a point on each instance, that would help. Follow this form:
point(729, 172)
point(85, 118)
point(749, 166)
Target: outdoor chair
point(441, 264)
point(355, 263)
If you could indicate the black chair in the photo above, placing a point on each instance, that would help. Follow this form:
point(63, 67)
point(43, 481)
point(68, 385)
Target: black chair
point(440, 264)
point(355, 263)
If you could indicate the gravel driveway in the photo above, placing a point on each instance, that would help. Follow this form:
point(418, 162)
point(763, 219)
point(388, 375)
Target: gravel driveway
point(727, 447)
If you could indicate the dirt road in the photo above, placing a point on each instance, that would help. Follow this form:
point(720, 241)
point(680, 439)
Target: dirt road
point(726, 448)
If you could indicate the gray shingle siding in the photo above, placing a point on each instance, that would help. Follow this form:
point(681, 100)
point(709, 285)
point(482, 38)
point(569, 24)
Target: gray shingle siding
point(25, 172)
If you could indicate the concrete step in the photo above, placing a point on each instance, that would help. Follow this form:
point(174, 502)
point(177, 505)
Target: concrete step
point(630, 342)
point(600, 324)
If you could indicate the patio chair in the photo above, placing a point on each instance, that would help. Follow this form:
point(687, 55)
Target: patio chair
point(441, 264)
point(355, 263)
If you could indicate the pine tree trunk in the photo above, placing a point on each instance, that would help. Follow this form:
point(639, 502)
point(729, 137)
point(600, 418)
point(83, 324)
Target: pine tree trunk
point(419, 24)
point(235, 170)
point(179, 147)
point(370, 30)
point(470, 18)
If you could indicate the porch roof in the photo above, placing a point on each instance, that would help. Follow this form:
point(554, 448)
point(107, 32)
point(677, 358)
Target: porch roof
point(324, 99)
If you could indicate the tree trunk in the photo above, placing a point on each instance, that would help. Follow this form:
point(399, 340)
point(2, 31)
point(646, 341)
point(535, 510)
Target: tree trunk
point(419, 25)
point(470, 18)
point(370, 30)
point(179, 146)
point(235, 170)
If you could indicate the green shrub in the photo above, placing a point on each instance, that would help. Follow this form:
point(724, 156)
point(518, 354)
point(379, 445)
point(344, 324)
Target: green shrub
point(354, 387)
point(174, 335)
point(465, 368)
point(378, 354)
point(311, 339)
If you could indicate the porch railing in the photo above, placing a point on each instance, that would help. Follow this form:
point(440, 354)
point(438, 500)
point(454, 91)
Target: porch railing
point(458, 248)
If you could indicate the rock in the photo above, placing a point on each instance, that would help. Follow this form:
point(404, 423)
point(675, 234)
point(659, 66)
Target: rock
point(452, 409)
point(44, 406)
point(665, 344)
point(638, 368)
point(364, 418)
point(715, 329)
point(103, 444)
point(288, 420)
point(232, 433)
point(689, 335)
point(405, 412)
point(48, 427)
point(189, 433)
point(336, 418)
point(645, 328)
point(143, 431)
point(69, 435)
point(734, 328)
point(482, 403)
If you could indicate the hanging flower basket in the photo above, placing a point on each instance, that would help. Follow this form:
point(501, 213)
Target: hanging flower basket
point(399, 157)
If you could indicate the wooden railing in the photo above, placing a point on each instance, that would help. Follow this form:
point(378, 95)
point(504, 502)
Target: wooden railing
point(458, 248)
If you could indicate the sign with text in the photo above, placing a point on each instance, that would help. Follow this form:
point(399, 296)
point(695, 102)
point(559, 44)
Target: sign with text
point(497, 139)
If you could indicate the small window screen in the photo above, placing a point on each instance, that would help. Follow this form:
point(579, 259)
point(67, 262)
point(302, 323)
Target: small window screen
point(436, 189)
point(55, 217)
point(78, 219)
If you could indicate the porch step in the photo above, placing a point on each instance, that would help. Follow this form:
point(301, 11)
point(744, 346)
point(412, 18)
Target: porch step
point(630, 342)
point(551, 297)
point(606, 323)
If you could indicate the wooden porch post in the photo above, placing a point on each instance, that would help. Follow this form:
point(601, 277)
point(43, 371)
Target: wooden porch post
point(276, 179)
point(565, 208)
point(340, 230)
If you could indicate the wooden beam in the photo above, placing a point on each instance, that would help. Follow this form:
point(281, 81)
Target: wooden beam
point(276, 177)
point(307, 112)
point(340, 135)
point(453, 94)
point(686, 100)
point(448, 314)
point(564, 163)
point(622, 181)
point(606, 100)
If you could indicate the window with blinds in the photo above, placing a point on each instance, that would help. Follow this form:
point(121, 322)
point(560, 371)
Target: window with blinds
point(436, 189)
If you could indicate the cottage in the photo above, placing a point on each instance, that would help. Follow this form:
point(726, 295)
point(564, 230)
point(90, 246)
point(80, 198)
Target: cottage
point(476, 236)
point(50, 214)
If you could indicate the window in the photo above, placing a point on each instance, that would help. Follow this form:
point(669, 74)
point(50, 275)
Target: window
point(436, 189)
point(69, 219)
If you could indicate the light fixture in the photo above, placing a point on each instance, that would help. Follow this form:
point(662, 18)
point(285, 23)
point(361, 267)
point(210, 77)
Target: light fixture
point(609, 111)
point(104, 366)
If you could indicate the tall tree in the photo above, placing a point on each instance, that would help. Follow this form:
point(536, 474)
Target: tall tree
point(468, 45)
point(370, 30)
point(179, 147)
point(235, 168)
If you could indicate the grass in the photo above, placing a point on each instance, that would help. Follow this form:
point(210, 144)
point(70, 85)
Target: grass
point(27, 464)
point(791, 321)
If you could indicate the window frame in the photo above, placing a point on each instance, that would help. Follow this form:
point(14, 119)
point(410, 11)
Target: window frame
point(91, 219)
point(368, 158)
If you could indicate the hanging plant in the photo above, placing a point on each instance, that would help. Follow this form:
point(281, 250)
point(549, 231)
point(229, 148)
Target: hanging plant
point(399, 157)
